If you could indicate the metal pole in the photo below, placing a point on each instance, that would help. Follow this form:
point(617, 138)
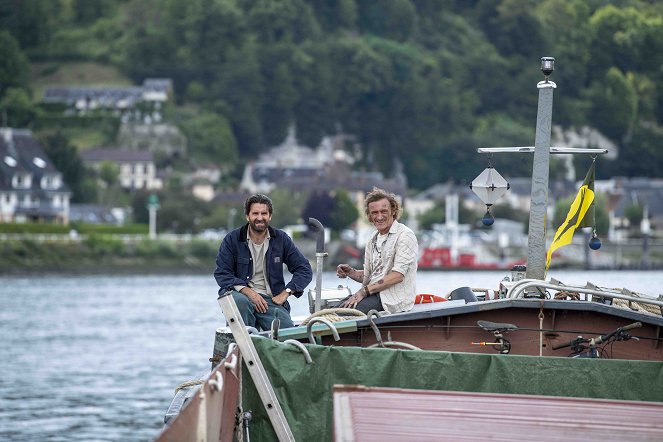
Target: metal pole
point(153, 222)
point(536, 241)
point(319, 255)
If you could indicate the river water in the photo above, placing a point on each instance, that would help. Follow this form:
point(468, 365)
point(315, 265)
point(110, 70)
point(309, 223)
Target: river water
point(97, 358)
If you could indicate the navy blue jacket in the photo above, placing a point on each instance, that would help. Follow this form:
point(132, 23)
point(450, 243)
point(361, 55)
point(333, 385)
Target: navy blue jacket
point(234, 265)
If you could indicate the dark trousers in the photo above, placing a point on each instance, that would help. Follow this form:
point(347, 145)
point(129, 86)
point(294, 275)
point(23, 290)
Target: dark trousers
point(367, 304)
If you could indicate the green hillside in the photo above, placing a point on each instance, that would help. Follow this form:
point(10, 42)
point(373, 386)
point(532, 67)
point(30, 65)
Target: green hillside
point(418, 83)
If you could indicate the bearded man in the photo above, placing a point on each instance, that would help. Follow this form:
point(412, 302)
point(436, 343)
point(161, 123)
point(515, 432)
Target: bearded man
point(250, 263)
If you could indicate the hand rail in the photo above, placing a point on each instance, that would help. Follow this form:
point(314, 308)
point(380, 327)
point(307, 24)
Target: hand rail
point(518, 290)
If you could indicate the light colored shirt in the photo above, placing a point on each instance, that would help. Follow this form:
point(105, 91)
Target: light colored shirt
point(259, 279)
point(398, 251)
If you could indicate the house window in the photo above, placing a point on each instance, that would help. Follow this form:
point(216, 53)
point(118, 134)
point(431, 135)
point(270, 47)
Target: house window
point(57, 202)
point(22, 181)
point(50, 182)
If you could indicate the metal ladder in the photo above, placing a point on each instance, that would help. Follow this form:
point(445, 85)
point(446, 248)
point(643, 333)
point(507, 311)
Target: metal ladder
point(255, 367)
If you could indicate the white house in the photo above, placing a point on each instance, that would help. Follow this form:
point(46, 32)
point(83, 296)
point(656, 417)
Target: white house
point(31, 188)
point(137, 169)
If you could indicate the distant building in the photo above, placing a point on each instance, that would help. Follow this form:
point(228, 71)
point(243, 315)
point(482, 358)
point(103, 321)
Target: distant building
point(31, 188)
point(137, 169)
point(327, 168)
point(625, 192)
point(139, 103)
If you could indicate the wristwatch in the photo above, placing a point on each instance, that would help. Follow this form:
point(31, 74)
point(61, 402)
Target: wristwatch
point(289, 291)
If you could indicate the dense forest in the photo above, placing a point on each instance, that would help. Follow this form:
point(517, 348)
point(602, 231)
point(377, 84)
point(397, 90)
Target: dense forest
point(419, 83)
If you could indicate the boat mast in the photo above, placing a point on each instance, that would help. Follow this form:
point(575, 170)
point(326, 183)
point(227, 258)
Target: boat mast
point(536, 239)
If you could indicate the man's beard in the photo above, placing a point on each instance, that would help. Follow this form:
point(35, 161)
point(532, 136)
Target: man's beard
point(259, 227)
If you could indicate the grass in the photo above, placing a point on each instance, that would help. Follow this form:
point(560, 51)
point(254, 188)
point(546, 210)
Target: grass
point(84, 138)
point(48, 74)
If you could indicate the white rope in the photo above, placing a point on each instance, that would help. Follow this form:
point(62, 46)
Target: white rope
point(336, 315)
point(187, 384)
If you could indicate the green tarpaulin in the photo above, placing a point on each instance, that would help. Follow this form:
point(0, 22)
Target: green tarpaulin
point(305, 390)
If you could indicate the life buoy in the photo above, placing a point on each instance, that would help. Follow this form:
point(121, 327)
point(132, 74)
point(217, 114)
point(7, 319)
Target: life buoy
point(426, 298)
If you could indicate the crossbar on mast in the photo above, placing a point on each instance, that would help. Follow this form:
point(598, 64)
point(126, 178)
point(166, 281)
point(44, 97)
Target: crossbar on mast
point(554, 149)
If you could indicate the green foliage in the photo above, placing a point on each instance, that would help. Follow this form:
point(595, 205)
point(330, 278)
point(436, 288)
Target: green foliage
point(108, 229)
point(104, 245)
point(29, 22)
point(205, 250)
point(179, 213)
point(66, 159)
point(288, 207)
point(18, 107)
point(345, 211)
point(14, 66)
point(417, 83)
point(435, 215)
point(634, 214)
point(614, 104)
point(226, 216)
point(33, 228)
point(210, 139)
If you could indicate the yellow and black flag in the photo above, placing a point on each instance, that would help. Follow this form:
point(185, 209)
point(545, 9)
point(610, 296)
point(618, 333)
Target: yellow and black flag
point(581, 214)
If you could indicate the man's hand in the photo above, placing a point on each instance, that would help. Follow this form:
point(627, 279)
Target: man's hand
point(353, 300)
point(258, 302)
point(344, 270)
point(281, 298)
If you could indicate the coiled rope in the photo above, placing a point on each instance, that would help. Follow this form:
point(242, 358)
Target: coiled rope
point(336, 315)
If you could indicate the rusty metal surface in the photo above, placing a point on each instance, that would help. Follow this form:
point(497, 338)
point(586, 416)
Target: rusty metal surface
point(210, 414)
point(389, 414)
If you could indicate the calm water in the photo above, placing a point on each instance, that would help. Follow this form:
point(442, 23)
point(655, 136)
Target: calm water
point(97, 358)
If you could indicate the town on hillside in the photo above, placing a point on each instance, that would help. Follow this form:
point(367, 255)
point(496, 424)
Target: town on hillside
point(144, 163)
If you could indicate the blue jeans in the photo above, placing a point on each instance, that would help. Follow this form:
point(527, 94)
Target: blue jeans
point(261, 321)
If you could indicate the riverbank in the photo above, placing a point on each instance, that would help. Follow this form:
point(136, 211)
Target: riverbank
point(190, 255)
point(108, 254)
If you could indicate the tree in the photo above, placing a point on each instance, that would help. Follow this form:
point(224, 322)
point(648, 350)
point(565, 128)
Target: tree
point(282, 21)
point(17, 108)
point(31, 22)
point(66, 159)
point(14, 67)
point(434, 215)
point(393, 19)
point(288, 206)
point(345, 211)
point(242, 89)
point(319, 205)
point(210, 139)
point(634, 213)
point(277, 112)
point(614, 104)
point(86, 12)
